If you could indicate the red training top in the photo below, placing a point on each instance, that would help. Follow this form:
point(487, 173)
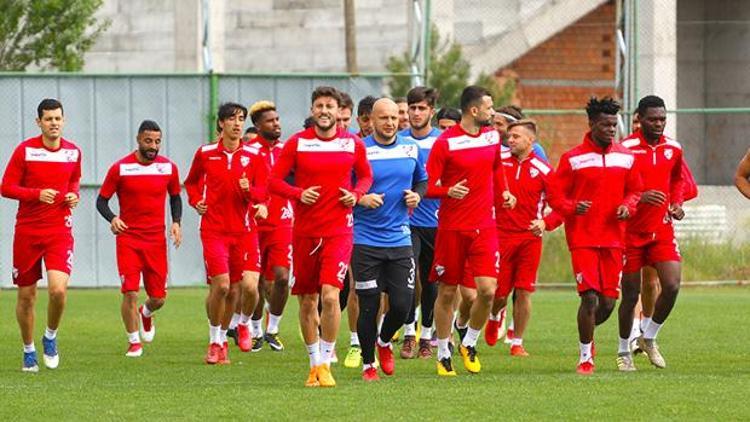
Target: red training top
point(280, 212)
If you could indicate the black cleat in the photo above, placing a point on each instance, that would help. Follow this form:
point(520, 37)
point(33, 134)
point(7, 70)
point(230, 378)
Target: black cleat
point(274, 342)
point(232, 333)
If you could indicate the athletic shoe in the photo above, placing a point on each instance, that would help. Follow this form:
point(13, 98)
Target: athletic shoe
point(491, 332)
point(518, 350)
point(334, 357)
point(243, 338)
point(135, 350)
point(425, 350)
point(396, 336)
point(274, 342)
point(385, 355)
point(370, 374)
point(408, 346)
point(461, 331)
point(652, 351)
point(51, 357)
point(29, 362)
point(232, 333)
point(213, 354)
point(509, 336)
point(353, 357)
point(224, 355)
point(257, 344)
point(634, 347)
point(451, 346)
point(585, 368)
point(625, 362)
point(312, 378)
point(325, 378)
point(148, 329)
point(445, 368)
point(471, 361)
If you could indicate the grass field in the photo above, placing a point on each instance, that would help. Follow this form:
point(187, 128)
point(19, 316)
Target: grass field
point(706, 345)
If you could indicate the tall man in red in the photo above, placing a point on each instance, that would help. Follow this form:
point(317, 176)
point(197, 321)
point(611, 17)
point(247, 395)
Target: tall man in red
point(460, 169)
point(596, 189)
point(142, 180)
point(650, 233)
point(323, 159)
point(225, 180)
point(44, 175)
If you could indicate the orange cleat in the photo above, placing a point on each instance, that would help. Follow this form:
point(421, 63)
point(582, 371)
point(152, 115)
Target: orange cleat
point(224, 355)
point(385, 356)
point(243, 338)
point(518, 350)
point(312, 378)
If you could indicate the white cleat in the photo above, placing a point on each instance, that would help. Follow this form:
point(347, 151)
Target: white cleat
point(651, 350)
point(52, 362)
point(625, 362)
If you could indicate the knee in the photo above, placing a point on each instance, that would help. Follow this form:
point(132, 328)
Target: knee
point(607, 305)
point(26, 299)
point(589, 301)
point(281, 282)
point(221, 289)
point(156, 302)
point(330, 300)
point(57, 294)
point(486, 292)
point(671, 287)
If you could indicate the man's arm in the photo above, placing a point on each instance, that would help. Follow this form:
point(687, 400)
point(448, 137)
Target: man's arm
point(193, 181)
point(277, 183)
point(435, 167)
point(559, 187)
point(742, 175)
point(11, 186)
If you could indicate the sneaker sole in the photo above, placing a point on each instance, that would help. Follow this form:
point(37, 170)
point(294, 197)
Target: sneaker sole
point(52, 362)
point(31, 370)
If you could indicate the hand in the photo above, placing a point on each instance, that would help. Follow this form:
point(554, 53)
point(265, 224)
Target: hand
point(653, 197)
point(623, 213)
point(117, 226)
point(582, 207)
point(261, 211)
point(537, 227)
point(201, 207)
point(71, 200)
point(347, 198)
point(175, 233)
point(459, 190)
point(509, 200)
point(676, 211)
point(310, 195)
point(412, 198)
point(48, 196)
point(244, 183)
point(371, 200)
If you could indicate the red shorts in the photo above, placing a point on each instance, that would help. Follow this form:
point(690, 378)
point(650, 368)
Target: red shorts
point(598, 269)
point(230, 254)
point(519, 262)
point(275, 251)
point(30, 249)
point(143, 256)
point(461, 255)
point(649, 248)
point(318, 261)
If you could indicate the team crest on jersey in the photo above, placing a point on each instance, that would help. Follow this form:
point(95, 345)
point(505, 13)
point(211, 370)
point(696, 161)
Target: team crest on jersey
point(668, 153)
point(71, 155)
point(343, 142)
point(439, 270)
point(15, 273)
point(244, 161)
point(534, 172)
point(579, 278)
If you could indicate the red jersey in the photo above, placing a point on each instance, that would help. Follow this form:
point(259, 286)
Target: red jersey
point(280, 212)
point(215, 178)
point(690, 188)
point(457, 155)
point(141, 191)
point(607, 178)
point(660, 168)
point(328, 163)
point(529, 181)
point(34, 167)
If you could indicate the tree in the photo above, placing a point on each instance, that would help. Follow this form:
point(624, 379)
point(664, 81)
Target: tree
point(448, 72)
point(50, 34)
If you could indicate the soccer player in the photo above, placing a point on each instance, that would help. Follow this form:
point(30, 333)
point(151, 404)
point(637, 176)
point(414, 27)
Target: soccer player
point(447, 117)
point(460, 169)
point(344, 119)
point(650, 236)
point(323, 159)
point(596, 189)
point(403, 113)
point(383, 260)
point(423, 224)
point(250, 134)
point(364, 109)
point(142, 180)
point(44, 175)
point(506, 115)
point(225, 180)
point(742, 174)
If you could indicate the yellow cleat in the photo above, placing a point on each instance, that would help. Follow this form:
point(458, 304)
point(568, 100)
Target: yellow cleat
point(325, 378)
point(353, 357)
point(445, 368)
point(396, 336)
point(312, 378)
point(471, 361)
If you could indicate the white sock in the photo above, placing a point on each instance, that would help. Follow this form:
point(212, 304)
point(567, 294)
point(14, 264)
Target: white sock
point(652, 329)
point(510, 326)
point(380, 322)
point(495, 317)
point(313, 352)
point(381, 344)
point(28, 348)
point(134, 337)
point(353, 339)
point(636, 330)
point(50, 334)
point(585, 352)
point(367, 366)
point(443, 350)
point(146, 312)
point(273, 323)
point(214, 334)
point(516, 341)
point(623, 346)
point(470, 340)
point(326, 351)
point(410, 329)
point(644, 323)
point(235, 321)
point(257, 331)
point(426, 333)
point(222, 336)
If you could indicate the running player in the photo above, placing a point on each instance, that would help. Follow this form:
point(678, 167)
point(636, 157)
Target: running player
point(323, 160)
point(364, 109)
point(596, 189)
point(383, 260)
point(403, 113)
point(506, 115)
point(344, 119)
point(650, 233)
point(44, 175)
point(224, 181)
point(447, 117)
point(142, 180)
point(460, 168)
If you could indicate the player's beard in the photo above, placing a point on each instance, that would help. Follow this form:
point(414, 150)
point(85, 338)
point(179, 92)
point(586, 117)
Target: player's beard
point(148, 154)
point(269, 136)
point(325, 128)
point(419, 127)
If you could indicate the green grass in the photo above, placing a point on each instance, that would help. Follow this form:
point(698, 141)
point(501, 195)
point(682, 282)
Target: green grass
point(705, 344)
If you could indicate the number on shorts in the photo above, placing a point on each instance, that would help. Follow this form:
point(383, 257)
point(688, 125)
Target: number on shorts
point(497, 261)
point(341, 275)
point(349, 220)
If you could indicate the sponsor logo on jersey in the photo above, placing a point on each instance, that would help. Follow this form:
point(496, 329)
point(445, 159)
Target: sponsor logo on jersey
point(533, 172)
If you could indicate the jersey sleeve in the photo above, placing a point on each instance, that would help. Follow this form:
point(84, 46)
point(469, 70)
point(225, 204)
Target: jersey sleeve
point(633, 188)
point(11, 185)
point(560, 184)
point(420, 173)
point(74, 184)
point(676, 183)
point(258, 180)
point(362, 170)
point(173, 188)
point(277, 183)
point(193, 181)
point(435, 168)
point(111, 180)
point(690, 188)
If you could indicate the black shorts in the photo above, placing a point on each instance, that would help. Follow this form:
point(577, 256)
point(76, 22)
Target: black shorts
point(378, 269)
point(423, 244)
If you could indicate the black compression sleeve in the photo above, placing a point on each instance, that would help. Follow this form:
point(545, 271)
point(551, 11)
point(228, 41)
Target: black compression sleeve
point(175, 205)
point(420, 188)
point(102, 205)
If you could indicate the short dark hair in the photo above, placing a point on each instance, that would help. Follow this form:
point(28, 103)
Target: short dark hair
point(597, 106)
point(48, 104)
point(471, 96)
point(228, 110)
point(308, 123)
point(399, 100)
point(422, 93)
point(346, 101)
point(649, 101)
point(527, 123)
point(149, 125)
point(251, 129)
point(326, 91)
point(449, 113)
point(364, 108)
point(511, 110)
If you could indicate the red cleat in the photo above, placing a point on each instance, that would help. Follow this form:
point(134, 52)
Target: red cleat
point(518, 350)
point(385, 355)
point(491, 332)
point(244, 340)
point(224, 355)
point(213, 354)
point(135, 350)
point(586, 368)
point(370, 374)
point(509, 335)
